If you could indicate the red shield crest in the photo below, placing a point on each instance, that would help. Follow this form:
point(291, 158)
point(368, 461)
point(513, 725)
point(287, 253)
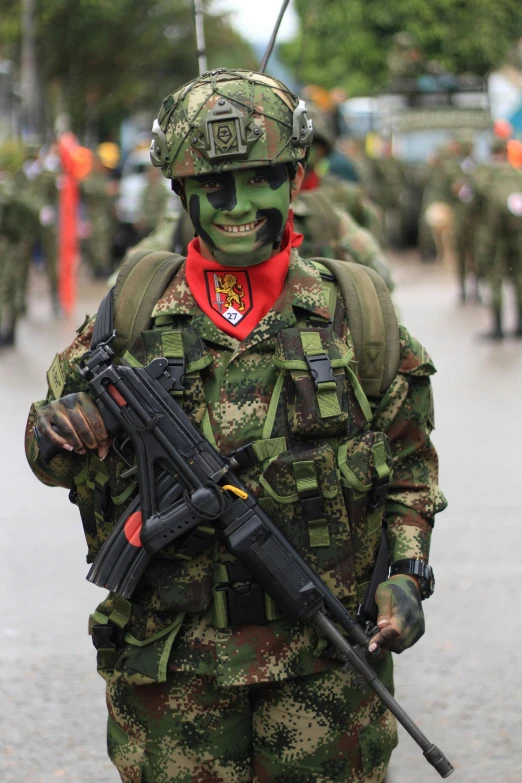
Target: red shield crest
point(229, 294)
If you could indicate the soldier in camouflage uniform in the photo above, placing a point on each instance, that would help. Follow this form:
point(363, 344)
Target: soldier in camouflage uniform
point(344, 195)
point(153, 203)
point(19, 230)
point(478, 203)
point(98, 192)
point(191, 694)
point(501, 251)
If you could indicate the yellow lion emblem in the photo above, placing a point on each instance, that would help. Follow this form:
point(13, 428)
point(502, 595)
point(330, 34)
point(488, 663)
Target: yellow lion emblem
point(233, 291)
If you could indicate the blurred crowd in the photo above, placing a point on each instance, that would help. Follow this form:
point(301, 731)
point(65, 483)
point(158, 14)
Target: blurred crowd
point(356, 203)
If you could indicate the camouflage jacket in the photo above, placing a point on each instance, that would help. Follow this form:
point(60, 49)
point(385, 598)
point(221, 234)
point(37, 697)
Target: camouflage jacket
point(502, 231)
point(250, 392)
point(331, 232)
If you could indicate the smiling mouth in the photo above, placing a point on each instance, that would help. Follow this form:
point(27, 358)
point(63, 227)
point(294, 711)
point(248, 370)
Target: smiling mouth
point(245, 228)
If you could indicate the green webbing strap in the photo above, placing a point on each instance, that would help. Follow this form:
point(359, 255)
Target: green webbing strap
point(361, 592)
point(372, 322)
point(299, 364)
point(379, 460)
point(268, 449)
point(172, 345)
point(121, 612)
point(164, 320)
point(200, 364)
point(305, 475)
point(125, 495)
point(100, 492)
point(361, 397)
point(272, 408)
point(207, 429)
point(271, 610)
point(220, 609)
point(347, 473)
point(131, 360)
point(326, 390)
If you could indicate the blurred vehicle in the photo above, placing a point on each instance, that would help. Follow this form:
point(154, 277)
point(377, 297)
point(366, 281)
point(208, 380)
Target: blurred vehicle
point(132, 184)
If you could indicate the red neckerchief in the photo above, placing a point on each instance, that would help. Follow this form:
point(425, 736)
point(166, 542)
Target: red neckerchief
point(236, 299)
point(311, 181)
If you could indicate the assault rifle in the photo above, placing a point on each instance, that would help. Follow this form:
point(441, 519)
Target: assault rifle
point(183, 482)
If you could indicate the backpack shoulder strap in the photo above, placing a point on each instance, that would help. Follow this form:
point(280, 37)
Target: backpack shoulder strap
point(371, 320)
point(128, 306)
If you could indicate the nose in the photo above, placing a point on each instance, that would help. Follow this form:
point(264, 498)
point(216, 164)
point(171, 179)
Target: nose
point(239, 206)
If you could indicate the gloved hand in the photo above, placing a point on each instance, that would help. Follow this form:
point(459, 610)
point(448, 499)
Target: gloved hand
point(400, 618)
point(76, 422)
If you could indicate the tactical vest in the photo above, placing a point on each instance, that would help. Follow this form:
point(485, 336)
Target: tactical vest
point(318, 468)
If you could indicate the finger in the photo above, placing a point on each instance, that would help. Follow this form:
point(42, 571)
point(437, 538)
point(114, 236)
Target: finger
point(103, 451)
point(93, 416)
point(383, 598)
point(75, 414)
point(57, 428)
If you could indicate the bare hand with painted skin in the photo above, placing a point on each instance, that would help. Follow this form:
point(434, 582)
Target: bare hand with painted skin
point(400, 618)
point(74, 423)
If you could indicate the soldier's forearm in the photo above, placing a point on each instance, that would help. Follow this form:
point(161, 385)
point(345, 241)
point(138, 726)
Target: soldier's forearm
point(409, 534)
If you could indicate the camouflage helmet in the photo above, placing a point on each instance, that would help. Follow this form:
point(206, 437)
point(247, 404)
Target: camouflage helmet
point(226, 120)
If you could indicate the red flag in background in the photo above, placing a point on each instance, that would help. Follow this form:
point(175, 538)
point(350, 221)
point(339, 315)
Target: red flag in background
point(76, 165)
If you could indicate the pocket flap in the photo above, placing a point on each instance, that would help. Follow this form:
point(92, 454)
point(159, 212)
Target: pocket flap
point(280, 479)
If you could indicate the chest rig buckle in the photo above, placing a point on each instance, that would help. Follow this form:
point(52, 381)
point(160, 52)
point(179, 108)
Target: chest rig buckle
point(320, 368)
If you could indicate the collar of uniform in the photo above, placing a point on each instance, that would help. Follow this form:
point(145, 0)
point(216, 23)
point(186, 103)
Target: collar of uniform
point(302, 289)
point(178, 300)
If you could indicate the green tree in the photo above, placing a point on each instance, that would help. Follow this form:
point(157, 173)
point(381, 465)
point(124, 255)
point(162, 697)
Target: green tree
point(346, 42)
point(103, 59)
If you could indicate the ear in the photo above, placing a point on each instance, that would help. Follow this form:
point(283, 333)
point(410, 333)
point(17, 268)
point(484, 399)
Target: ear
point(297, 181)
point(178, 187)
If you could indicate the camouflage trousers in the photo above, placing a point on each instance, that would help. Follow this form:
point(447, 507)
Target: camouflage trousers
point(322, 728)
point(509, 269)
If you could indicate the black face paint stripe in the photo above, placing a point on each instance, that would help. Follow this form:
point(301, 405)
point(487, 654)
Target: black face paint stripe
point(226, 197)
point(271, 230)
point(274, 175)
point(194, 209)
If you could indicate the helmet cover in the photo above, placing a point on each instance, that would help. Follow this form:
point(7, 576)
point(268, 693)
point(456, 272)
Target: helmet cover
point(227, 120)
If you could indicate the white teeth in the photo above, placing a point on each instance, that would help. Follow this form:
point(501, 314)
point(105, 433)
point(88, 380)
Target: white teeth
point(240, 229)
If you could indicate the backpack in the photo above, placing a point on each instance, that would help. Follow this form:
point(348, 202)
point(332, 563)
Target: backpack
point(371, 317)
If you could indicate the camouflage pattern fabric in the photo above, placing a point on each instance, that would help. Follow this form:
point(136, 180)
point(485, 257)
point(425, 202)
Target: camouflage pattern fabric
point(19, 229)
point(227, 120)
point(316, 729)
point(178, 628)
point(99, 206)
point(501, 253)
point(350, 197)
point(153, 205)
point(333, 233)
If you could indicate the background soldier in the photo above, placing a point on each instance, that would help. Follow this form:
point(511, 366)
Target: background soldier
point(98, 192)
point(193, 692)
point(19, 230)
point(153, 203)
point(501, 254)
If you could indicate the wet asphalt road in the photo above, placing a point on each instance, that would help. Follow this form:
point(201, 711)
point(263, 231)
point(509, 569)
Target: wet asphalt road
point(462, 682)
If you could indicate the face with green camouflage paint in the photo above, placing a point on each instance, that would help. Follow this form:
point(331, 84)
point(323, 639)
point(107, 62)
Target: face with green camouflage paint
point(240, 215)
